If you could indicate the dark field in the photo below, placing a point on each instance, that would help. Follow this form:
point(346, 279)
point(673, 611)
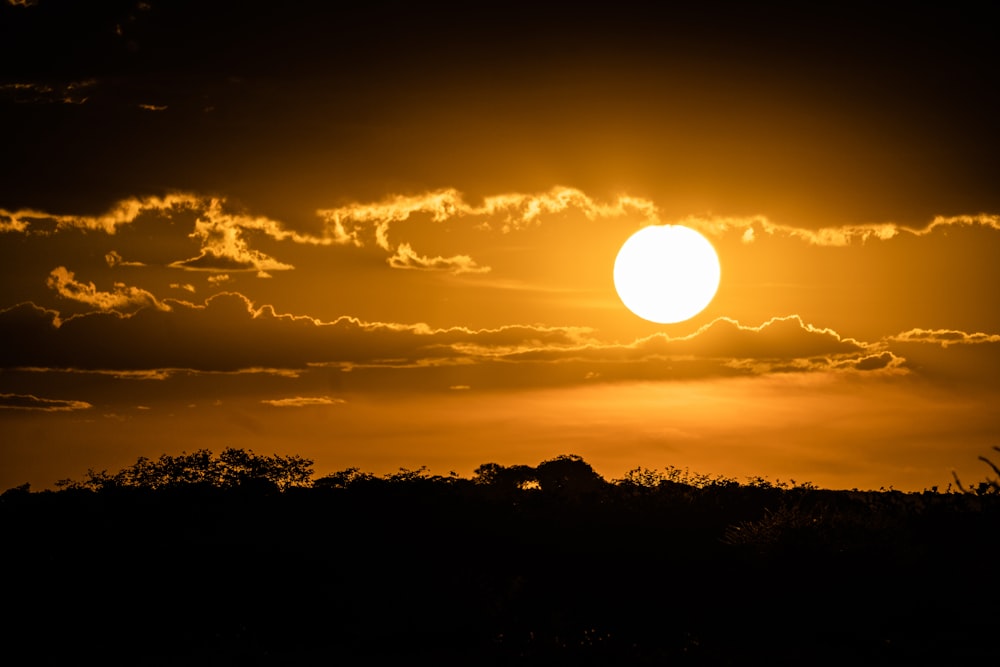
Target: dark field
point(654, 569)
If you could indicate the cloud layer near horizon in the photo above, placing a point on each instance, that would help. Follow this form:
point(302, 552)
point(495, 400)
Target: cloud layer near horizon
point(184, 336)
point(224, 232)
point(132, 331)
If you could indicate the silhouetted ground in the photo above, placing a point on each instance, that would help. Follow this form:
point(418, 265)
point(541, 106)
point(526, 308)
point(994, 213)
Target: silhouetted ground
point(357, 569)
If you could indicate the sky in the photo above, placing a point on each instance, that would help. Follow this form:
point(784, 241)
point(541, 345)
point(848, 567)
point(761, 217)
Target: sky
point(382, 235)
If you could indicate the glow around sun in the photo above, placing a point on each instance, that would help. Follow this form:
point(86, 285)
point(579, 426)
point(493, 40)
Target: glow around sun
point(666, 273)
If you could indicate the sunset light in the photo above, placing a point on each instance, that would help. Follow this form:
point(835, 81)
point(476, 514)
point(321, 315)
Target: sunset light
point(388, 235)
point(499, 333)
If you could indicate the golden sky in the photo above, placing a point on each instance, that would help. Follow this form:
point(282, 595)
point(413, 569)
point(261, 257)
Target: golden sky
point(384, 237)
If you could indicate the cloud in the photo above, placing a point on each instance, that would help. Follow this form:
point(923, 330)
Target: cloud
point(876, 362)
point(124, 212)
point(943, 337)
point(950, 357)
point(183, 286)
point(230, 334)
point(123, 298)
point(405, 258)
point(113, 258)
point(232, 259)
point(359, 224)
point(721, 347)
point(221, 231)
point(224, 231)
point(752, 227)
point(72, 92)
point(303, 401)
point(220, 278)
point(223, 240)
point(152, 107)
point(30, 402)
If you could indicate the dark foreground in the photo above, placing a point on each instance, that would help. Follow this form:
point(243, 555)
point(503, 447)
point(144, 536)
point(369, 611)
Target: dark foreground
point(481, 572)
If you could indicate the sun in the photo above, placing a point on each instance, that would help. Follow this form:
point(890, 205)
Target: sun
point(666, 273)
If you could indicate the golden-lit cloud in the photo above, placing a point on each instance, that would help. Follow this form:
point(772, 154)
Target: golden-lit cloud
point(225, 233)
point(220, 230)
point(751, 227)
point(232, 258)
point(30, 402)
point(113, 258)
point(224, 246)
point(944, 337)
point(359, 224)
point(405, 258)
point(303, 401)
point(124, 212)
point(505, 212)
point(122, 298)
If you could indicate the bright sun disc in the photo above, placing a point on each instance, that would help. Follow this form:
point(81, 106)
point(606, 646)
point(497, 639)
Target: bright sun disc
point(666, 273)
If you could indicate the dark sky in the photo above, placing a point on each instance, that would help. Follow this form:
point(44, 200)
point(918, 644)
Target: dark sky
point(397, 92)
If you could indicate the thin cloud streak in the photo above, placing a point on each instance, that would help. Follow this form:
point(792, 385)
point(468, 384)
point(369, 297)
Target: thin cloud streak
point(944, 337)
point(303, 401)
point(752, 227)
point(31, 402)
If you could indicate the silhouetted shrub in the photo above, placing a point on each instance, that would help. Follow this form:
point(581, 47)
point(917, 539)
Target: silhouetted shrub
point(231, 469)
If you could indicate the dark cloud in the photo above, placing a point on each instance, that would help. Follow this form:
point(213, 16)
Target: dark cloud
point(876, 362)
point(957, 360)
point(29, 402)
point(778, 338)
point(227, 333)
point(72, 92)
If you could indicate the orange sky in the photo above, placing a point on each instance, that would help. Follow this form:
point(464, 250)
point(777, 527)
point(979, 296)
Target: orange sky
point(385, 237)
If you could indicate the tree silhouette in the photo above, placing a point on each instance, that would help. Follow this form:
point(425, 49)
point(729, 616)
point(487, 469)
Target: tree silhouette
point(506, 479)
point(233, 468)
point(568, 475)
point(343, 479)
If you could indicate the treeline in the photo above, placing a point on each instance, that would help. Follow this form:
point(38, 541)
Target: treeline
point(239, 558)
point(567, 474)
